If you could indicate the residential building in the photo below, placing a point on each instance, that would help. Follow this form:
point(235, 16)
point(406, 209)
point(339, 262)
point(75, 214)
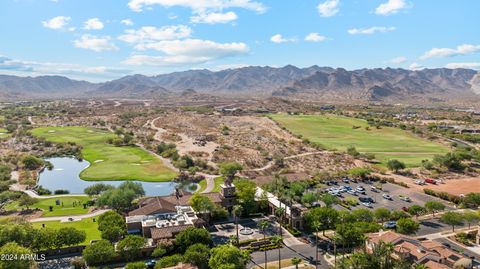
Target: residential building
point(431, 253)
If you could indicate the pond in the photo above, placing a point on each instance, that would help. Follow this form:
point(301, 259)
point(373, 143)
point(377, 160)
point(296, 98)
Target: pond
point(65, 176)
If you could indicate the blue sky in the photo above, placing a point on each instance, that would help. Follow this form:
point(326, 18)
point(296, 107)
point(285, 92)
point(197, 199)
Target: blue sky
point(100, 40)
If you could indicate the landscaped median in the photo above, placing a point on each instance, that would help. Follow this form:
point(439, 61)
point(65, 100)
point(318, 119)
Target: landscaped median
point(107, 161)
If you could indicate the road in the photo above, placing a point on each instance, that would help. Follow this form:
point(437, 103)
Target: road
point(304, 251)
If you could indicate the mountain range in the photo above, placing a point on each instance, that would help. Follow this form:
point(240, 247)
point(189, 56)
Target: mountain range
point(312, 83)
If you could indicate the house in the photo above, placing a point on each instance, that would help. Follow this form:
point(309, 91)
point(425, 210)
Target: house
point(163, 217)
point(293, 213)
point(430, 253)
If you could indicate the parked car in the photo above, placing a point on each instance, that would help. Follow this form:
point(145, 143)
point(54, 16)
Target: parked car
point(419, 182)
point(405, 198)
point(387, 196)
point(369, 205)
point(404, 208)
point(366, 200)
point(390, 225)
point(374, 189)
point(431, 181)
point(360, 188)
point(352, 192)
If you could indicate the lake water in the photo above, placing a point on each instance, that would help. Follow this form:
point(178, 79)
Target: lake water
point(65, 176)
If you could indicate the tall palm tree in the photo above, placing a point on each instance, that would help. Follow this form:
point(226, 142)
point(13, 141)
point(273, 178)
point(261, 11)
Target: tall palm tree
point(278, 241)
point(316, 227)
point(237, 211)
point(263, 225)
point(280, 212)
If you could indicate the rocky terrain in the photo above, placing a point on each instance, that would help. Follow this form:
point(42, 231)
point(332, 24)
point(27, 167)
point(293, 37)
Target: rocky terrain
point(312, 83)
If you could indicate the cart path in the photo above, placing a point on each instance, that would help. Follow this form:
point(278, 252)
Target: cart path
point(68, 218)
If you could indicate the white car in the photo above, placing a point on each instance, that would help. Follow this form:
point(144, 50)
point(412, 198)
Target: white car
point(369, 205)
point(419, 182)
point(387, 196)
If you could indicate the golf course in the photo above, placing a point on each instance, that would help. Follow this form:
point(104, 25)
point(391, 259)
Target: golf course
point(108, 162)
point(68, 205)
point(337, 132)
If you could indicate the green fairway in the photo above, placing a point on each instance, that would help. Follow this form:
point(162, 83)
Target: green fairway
point(336, 132)
point(203, 184)
point(69, 205)
point(87, 225)
point(108, 162)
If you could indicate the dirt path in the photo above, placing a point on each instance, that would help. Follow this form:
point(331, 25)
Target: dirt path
point(31, 120)
point(69, 218)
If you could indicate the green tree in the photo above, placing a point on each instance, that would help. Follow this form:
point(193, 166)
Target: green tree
point(198, 255)
point(191, 236)
point(227, 256)
point(359, 172)
point(434, 206)
point(327, 217)
point(5, 172)
point(416, 210)
point(329, 200)
point(31, 162)
point(97, 189)
point(395, 165)
point(407, 226)
point(363, 214)
point(121, 198)
point(13, 250)
point(245, 191)
point(100, 252)
point(278, 240)
point(159, 251)
point(381, 214)
point(452, 218)
point(296, 261)
point(69, 236)
point(27, 201)
point(131, 246)
point(169, 261)
point(112, 226)
point(229, 170)
point(349, 235)
point(352, 151)
point(263, 225)
point(471, 217)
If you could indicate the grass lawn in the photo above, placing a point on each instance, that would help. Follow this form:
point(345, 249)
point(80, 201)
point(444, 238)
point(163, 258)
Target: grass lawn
point(87, 225)
point(203, 185)
point(336, 132)
point(4, 133)
point(58, 210)
point(108, 162)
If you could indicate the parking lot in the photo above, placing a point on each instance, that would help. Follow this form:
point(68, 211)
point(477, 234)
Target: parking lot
point(393, 190)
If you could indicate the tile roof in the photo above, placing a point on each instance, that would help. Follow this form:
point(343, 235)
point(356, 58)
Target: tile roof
point(167, 232)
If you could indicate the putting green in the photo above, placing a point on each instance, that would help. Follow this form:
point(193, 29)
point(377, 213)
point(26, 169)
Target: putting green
point(336, 132)
point(87, 225)
point(108, 162)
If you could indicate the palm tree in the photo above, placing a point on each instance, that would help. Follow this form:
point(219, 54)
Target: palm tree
point(278, 241)
point(279, 212)
point(316, 226)
point(296, 261)
point(237, 211)
point(263, 225)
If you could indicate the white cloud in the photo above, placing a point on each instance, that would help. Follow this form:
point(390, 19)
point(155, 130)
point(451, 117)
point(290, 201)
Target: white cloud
point(449, 52)
point(370, 30)
point(214, 17)
point(186, 52)
point(21, 67)
point(390, 7)
point(56, 23)
point(278, 38)
point(199, 5)
point(148, 34)
point(328, 8)
point(94, 43)
point(315, 37)
point(463, 65)
point(127, 22)
point(398, 60)
point(93, 24)
point(416, 66)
